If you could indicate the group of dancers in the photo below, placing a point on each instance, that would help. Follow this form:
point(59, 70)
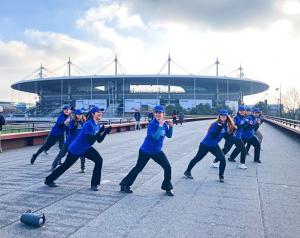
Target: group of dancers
point(83, 131)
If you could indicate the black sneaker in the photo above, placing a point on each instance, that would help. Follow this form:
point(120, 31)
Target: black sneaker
point(221, 179)
point(95, 187)
point(257, 161)
point(231, 160)
point(169, 193)
point(188, 175)
point(125, 189)
point(52, 184)
point(33, 158)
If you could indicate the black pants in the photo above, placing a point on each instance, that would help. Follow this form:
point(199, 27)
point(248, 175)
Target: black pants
point(143, 159)
point(62, 153)
point(255, 143)
point(174, 120)
point(202, 151)
point(90, 154)
point(240, 148)
point(50, 141)
point(229, 142)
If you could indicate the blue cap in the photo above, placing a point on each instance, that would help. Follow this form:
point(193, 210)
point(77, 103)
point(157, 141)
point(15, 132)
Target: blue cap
point(255, 110)
point(95, 109)
point(248, 109)
point(159, 108)
point(78, 112)
point(223, 112)
point(66, 107)
point(242, 108)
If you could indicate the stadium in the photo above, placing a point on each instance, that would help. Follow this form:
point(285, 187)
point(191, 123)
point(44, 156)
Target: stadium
point(123, 93)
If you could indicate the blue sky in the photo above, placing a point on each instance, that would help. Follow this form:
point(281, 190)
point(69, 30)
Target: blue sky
point(46, 15)
point(263, 36)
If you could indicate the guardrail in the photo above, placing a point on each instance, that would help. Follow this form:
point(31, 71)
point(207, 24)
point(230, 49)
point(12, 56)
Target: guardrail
point(292, 126)
point(41, 126)
point(17, 140)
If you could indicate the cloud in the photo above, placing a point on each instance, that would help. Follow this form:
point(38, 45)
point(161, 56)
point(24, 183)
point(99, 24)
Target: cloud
point(20, 58)
point(112, 12)
point(226, 14)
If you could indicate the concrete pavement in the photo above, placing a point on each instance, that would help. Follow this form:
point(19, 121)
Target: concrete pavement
point(262, 201)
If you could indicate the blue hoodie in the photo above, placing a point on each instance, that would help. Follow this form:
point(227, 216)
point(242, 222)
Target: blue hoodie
point(252, 125)
point(82, 143)
point(215, 134)
point(240, 123)
point(155, 136)
point(73, 131)
point(59, 128)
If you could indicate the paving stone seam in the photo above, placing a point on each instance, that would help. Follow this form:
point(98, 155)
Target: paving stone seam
point(262, 215)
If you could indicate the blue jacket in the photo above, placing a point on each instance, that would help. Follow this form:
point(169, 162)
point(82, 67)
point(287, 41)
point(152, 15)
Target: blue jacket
point(215, 134)
point(240, 122)
point(251, 127)
point(59, 128)
point(73, 131)
point(155, 136)
point(82, 141)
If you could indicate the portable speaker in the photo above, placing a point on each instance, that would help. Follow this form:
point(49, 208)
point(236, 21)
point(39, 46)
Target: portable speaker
point(33, 219)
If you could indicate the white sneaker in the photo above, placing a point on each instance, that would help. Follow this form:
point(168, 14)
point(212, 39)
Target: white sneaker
point(214, 165)
point(242, 166)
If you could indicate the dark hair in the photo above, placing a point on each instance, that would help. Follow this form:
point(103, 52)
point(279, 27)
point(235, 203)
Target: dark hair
point(230, 124)
point(75, 119)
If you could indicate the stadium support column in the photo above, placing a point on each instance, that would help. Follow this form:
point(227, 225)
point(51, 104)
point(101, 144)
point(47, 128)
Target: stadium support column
point(217, 74)
point(123, 97)
point(227, 89)
point(69, 93)
point(91, 88)
point(69, 67)
point(194, 92)
point(116, 64)
point(61, 92)
point(169, 74)
point(242, 97)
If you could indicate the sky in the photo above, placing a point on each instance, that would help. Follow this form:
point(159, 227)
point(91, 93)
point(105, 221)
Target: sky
point(262, 36)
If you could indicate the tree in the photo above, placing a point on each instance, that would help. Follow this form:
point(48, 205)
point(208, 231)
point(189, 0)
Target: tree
point(263, 106)
point(291, 103)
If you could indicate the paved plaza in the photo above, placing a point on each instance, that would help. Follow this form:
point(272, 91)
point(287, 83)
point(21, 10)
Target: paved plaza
point(262, 201)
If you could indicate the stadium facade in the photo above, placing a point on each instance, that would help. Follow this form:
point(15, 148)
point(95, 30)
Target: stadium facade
point(121, 94)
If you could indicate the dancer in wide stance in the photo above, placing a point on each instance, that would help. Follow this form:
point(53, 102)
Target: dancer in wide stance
point(91, 132)
point(240, 123)
point(152, 149)
point(75, 127)
point(215, 133)
point(249, 133)
point(57, 132)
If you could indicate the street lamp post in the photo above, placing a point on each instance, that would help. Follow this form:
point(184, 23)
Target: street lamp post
point(280, 108)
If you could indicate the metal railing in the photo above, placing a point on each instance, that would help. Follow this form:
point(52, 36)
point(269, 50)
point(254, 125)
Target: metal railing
point(285, 121)
point(43, 126)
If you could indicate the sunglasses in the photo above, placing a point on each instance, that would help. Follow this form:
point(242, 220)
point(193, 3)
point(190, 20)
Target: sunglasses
point(159, 112)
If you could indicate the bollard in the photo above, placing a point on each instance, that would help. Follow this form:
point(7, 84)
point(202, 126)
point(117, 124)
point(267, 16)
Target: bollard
point(33, 219)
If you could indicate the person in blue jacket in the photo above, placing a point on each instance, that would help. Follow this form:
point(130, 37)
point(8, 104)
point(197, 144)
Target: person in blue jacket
point(216, 132)
point(75, 127)
point(57, 132)
point(259, 136)
point(229, 142)
point(240, 123)
point(249, 133)
point(158, 128)
point(91, 132)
